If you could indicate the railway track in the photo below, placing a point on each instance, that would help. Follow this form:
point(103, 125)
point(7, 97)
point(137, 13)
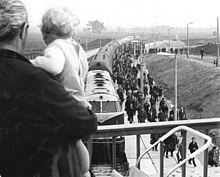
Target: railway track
point(103, 169)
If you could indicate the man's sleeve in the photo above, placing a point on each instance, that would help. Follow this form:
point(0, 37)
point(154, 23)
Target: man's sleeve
point(66, 116)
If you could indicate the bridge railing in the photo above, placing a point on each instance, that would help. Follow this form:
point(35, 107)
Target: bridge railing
point(163, 138)
point(157, 127)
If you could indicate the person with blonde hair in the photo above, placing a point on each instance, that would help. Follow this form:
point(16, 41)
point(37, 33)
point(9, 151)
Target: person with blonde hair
point(65, 58)
point(41, 122)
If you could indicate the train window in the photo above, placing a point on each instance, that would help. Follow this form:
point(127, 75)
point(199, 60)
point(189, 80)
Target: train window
point(103, 56)
point(95, 106)
point(119, 106)
point(109, 106)
point(99, 85)
point(98, 75)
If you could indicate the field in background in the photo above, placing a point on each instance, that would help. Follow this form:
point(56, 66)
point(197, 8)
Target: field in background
point(35, 44)
point(198, 83)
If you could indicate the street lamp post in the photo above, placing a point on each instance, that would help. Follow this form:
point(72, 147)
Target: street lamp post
point(217, 41)
point(188, 38)
point(169, 39)
point(175, 85)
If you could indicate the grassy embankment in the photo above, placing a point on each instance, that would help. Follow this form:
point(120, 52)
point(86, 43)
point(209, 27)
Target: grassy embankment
point(198, 84)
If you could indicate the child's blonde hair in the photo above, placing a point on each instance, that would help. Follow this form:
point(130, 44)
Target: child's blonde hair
point(59, 21)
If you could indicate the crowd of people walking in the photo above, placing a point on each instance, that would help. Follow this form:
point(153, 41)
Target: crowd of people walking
point(148, 105)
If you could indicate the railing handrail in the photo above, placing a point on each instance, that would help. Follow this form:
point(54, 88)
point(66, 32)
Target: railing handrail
point(113, 131)
point(201, 149)
point(155, 127)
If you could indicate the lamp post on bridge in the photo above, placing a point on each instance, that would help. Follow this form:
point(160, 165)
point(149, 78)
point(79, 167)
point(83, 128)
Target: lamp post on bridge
point(142, 62)
point(188, 38)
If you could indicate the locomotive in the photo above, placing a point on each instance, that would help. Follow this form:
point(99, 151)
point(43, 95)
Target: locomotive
point(102, 95)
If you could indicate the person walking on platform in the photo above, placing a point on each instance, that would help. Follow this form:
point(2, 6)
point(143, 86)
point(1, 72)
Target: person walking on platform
point(163, 106)
point(182, 114)
point(162, 103)
point(153, 138)
point(192, 148)
point(176, 51)
point(130, 107)
point(212, 157)
point(170, 145)
point(179, 153)
point(152, 101)
point(120, 94)
point(181, 51)
point(171, 116)
point(202, 53)
point(145, 90)
point(161, 116)
point(154, 112)
point(150, 80)
point(146, 106)
point(142, 115)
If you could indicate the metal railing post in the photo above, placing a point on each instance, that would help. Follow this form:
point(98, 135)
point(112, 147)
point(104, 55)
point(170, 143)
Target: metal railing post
point(138, 148)
point(175, 87)
point(218, 156)
point(114, 152)
point(217, 41)
point(205, 167)
point(184, 133)
point(161, 158)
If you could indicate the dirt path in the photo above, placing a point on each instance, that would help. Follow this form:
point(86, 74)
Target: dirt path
point(206, 61)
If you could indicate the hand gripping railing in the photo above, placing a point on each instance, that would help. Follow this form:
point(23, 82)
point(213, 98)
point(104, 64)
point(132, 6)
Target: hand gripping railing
point(194, 154)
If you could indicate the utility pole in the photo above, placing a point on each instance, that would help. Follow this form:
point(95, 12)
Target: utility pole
point(188, 38)
point(142, 62)
point(217, 41)
point(175, 81)
point(169, 39)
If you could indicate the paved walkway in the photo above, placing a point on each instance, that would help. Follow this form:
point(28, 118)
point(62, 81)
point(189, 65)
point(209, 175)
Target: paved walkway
point(150, 164)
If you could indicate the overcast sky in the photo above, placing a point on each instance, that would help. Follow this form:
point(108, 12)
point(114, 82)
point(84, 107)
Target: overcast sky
point(130, 13)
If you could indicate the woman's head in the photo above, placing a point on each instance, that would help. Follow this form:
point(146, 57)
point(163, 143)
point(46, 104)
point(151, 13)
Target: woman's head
point(60, 22)
point(13, 19)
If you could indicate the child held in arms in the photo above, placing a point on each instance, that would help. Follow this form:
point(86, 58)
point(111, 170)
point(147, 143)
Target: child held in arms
point(66, 59)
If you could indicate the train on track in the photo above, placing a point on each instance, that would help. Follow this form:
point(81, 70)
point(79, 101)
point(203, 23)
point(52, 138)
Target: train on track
point(102, 95)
